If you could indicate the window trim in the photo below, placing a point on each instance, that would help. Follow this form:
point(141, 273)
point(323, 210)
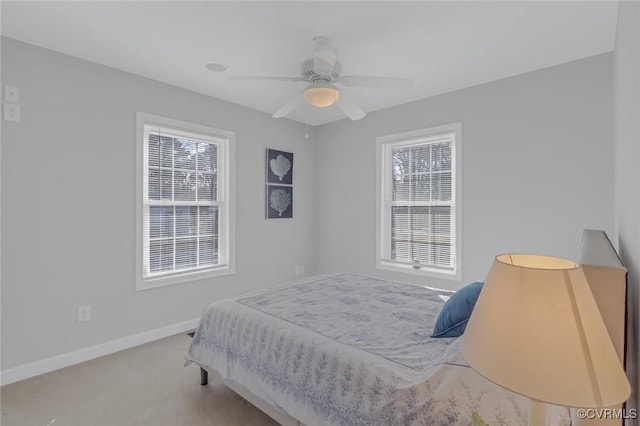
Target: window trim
point(227, 233)
point(383, 170)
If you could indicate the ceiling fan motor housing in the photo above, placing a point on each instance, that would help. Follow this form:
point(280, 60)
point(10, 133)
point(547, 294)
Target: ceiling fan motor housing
point(309, 74)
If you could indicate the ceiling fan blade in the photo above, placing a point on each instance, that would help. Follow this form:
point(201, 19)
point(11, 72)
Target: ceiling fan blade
point(258, 78)
point(375, 82)
point(350, 108)
point(289, 106)
point(324, 56)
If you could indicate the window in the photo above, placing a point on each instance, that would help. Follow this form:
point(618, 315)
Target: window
point(184, 202)
point(418, 210)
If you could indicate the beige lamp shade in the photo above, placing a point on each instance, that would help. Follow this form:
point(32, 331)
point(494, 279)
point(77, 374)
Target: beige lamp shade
point(321, 95)
point(536, 330)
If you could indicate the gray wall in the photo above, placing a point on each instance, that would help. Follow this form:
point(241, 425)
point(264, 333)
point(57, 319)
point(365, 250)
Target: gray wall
point(627, 174)
point(68, 200)
point(537, 168)
point(537, 164)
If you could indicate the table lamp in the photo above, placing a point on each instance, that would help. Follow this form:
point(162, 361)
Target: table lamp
point(537, 331)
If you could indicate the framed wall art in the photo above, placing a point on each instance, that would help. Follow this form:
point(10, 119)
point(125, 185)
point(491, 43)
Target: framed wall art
point(279, 185)
point(279, 202)
point(279, 167)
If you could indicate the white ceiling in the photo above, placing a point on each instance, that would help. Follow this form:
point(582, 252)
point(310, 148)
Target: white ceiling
point(442, 46)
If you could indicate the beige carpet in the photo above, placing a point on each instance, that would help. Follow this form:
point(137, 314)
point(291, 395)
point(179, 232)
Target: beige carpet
point(146, 385)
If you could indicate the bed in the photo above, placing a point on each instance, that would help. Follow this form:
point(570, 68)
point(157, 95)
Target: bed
point(344, 349)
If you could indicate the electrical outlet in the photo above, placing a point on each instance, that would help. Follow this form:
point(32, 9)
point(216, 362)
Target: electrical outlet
point(84, 313)
point(11, 112)
point(298, 270)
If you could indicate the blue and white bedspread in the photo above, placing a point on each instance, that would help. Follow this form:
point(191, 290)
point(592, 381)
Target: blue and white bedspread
point(351, 350)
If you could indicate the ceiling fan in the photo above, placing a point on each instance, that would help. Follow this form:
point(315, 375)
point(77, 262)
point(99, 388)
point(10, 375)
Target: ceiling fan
point(322, 72)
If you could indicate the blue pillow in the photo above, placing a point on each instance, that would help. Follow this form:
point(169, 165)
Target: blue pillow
point(453, 318)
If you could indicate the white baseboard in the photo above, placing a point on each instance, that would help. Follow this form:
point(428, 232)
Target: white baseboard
point(36, 368)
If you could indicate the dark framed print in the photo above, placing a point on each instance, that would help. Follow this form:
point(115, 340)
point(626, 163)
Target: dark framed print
point(279, 202)
point(279, 167)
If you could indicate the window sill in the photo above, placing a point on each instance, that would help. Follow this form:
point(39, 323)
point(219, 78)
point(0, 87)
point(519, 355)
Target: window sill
point(181, 278)
point(424, 271)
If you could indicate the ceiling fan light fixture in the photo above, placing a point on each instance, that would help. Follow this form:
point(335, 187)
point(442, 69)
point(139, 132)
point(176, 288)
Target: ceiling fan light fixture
point(321, 95)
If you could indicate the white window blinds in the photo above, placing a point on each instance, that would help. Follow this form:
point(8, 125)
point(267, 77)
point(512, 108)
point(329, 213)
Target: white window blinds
point(418, 202)
point(184, 202)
